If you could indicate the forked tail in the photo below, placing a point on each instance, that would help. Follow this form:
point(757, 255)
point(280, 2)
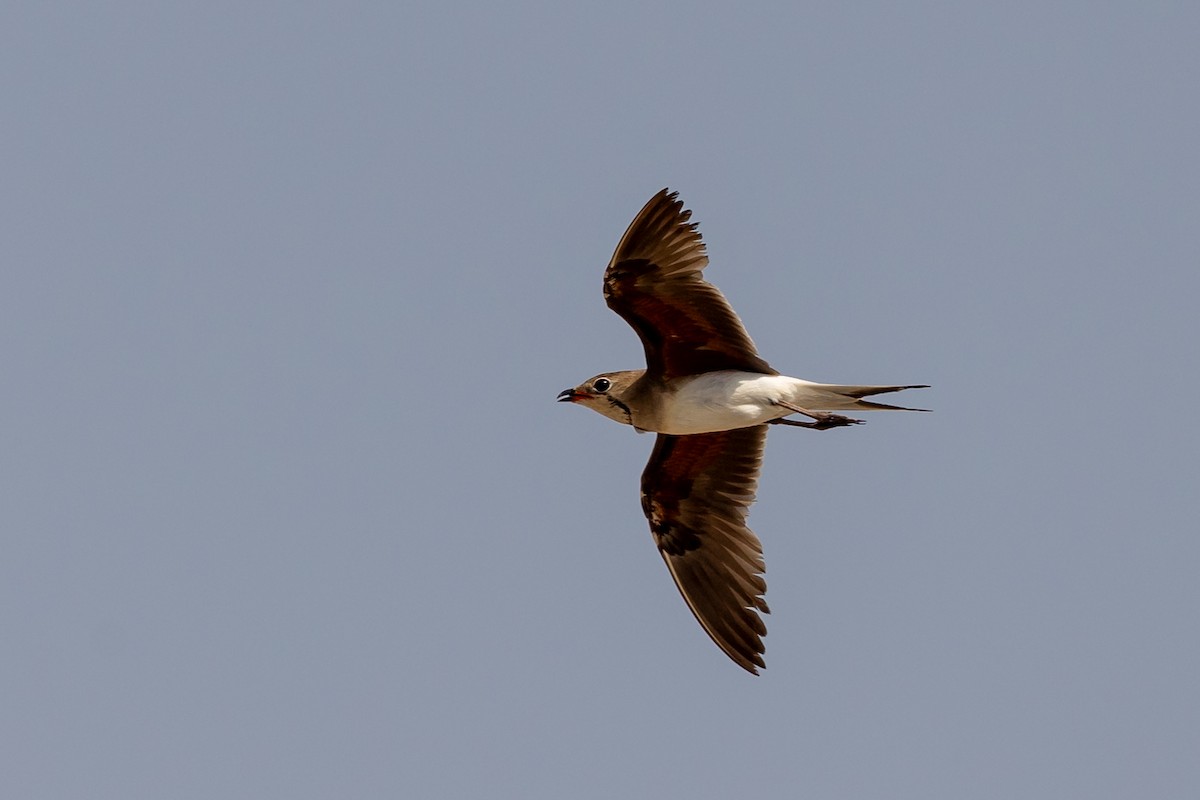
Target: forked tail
point(832, 397)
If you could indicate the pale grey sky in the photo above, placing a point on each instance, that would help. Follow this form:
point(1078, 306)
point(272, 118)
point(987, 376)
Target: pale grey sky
point(289, 291)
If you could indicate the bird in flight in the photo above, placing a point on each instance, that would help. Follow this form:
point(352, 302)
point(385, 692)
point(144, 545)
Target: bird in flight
point(709, 396)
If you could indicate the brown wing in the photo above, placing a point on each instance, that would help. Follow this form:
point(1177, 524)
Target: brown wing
point(654, 282)
point(695, 492)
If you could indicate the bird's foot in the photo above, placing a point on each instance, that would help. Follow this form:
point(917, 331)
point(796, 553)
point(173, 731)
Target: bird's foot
point(824, 421)
point(821, 421)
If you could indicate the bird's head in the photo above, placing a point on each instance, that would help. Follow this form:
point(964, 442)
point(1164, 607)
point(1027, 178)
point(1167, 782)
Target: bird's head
point(605, 394)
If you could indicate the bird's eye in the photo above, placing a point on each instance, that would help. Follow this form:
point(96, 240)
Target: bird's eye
point(601, 385)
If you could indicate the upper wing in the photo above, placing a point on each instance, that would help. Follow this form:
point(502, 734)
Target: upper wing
point(695, 492)
point(654, 282)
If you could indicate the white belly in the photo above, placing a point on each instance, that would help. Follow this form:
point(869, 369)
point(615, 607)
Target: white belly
point(722, 401)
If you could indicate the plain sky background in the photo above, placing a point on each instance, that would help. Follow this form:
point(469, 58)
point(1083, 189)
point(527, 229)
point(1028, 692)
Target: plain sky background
point(289, 289)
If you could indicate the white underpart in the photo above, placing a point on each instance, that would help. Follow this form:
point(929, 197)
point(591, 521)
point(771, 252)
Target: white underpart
point(722, 401)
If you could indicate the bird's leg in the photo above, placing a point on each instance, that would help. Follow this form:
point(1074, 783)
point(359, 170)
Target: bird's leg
point(822, 420)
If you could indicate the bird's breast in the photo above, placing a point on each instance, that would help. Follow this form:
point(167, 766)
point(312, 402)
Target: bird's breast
point(721, 401)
